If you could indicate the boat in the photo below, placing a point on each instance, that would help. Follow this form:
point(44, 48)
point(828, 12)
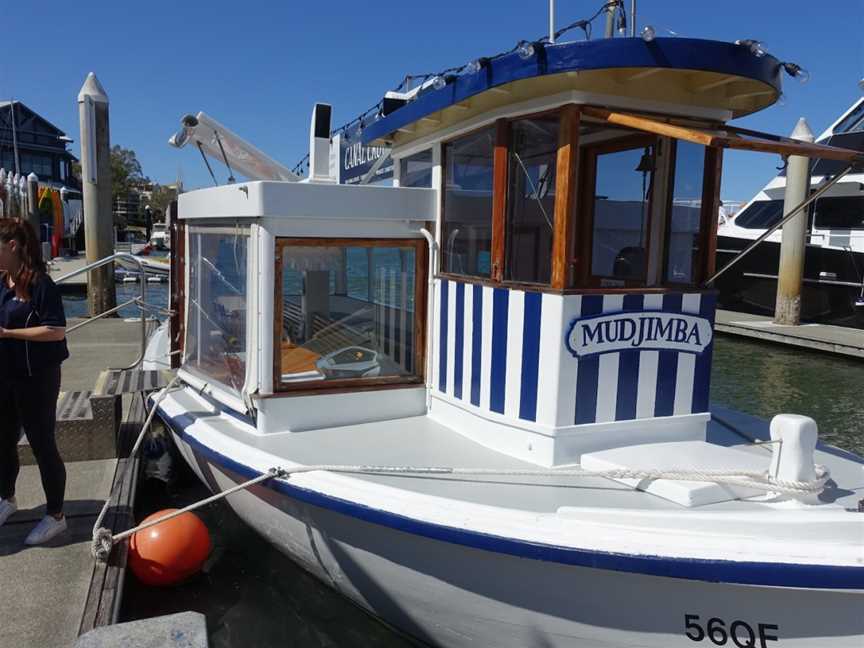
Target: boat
point(159, 238)
point(478, 399)
point(833, 284)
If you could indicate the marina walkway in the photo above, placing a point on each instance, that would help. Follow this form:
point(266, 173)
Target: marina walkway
point(45, 588)
point(816, 337)
point(48, 592)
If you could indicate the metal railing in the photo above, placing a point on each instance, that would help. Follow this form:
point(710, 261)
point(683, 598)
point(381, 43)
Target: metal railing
point(768, 232)
point(140, 301)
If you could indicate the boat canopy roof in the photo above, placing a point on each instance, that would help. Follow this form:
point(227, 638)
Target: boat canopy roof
point(697, 75)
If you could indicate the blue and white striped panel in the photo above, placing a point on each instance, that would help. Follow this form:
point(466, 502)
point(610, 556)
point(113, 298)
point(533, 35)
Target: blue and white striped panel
point(503, 351)
point(488, 347)
point(633, 384)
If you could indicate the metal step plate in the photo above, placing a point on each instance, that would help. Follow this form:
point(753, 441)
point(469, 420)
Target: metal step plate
point(114, 383)
point(74, 406)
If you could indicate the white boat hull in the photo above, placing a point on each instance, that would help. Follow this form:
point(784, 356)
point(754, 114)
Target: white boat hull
point(449, 594)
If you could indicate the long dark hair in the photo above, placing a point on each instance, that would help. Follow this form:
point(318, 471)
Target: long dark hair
point(32, 264)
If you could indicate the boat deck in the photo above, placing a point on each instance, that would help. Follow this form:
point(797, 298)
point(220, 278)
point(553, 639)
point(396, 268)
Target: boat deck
point(421, 441)
point(819, 337)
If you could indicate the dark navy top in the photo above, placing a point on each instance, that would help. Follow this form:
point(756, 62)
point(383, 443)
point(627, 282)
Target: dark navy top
point(44, 308)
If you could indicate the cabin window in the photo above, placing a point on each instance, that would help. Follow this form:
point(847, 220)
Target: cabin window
point(349, 310)
point(761, 214)
point(685, 216)
point(216, 333)
point(531, 200)
point(839, 212)
point(416, 170)
point(623, 183)
point(467, 222)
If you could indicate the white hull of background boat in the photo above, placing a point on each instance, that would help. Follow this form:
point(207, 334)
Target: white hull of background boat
point(453, 589)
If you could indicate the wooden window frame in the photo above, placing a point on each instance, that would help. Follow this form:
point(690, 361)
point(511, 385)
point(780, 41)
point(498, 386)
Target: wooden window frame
point(585, 214)
point(443, 208)
point(314, 387)
point(574, 194)
point(703, 266)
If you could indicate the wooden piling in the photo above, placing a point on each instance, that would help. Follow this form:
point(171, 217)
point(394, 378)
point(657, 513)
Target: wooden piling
point(96, 176)
point(790, 275)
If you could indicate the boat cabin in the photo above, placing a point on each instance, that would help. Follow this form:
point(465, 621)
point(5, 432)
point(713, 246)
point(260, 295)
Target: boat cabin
point(535, 278)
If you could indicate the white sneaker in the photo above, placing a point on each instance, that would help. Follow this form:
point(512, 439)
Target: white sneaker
point(7, 508)
point(45, 530)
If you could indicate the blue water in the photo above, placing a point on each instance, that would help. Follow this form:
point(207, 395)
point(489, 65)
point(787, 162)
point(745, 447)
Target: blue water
point(156, 294)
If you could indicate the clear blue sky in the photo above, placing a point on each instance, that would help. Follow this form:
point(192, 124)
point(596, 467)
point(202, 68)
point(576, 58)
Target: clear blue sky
point(258, 67)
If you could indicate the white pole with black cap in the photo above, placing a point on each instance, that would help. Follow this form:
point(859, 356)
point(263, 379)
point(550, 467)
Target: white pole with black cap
point(96, 180)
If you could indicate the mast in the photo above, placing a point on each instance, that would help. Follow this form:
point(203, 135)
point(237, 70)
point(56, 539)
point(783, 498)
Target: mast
point(14, 136)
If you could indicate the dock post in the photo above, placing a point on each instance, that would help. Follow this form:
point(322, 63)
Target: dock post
point(33, 203)
point(790, 275)
point(96, 177)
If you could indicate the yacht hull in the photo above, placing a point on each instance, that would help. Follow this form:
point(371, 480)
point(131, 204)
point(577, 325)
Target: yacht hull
point(448, 594)
point(832, 282)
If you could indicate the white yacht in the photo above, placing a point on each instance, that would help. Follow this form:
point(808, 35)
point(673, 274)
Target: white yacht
point(159, 238)
point(483, 393)
point(833, 288)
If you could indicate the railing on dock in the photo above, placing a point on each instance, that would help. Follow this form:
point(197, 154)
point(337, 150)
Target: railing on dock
point(140, 301)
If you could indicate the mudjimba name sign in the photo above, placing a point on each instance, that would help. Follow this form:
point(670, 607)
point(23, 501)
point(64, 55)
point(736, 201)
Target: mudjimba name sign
point(639, 331)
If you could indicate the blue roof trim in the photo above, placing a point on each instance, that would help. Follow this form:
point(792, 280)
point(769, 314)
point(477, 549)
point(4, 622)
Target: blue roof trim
point(715, 571)
point(672, 53)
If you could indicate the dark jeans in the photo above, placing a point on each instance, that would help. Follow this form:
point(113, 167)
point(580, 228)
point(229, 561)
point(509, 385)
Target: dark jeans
point(31, 402)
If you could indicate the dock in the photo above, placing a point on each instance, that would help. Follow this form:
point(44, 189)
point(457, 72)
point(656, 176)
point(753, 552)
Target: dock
point(57, 591)
point(826, 338)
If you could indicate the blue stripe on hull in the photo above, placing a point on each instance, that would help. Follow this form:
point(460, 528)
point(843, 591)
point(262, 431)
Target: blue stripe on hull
point(628, 370)
point(714, 571)
point(589, 370)
point(702, 374)
point(442, 336)
point(497, 383)
point(667, 366)
point(476, 342)
point(530, 356)
point(459, 342)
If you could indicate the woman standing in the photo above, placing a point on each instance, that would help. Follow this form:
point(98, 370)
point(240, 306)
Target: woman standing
point(32, 347)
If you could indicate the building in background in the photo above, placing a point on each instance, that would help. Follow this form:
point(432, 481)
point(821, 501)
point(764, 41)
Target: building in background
point(41, 147)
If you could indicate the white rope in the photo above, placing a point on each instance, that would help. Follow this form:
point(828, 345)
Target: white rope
point(749, 478)
point(99, 548)
point(103, 540)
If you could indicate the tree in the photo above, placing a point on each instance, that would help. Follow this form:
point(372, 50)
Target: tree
point(160, 197)
point(126, 173)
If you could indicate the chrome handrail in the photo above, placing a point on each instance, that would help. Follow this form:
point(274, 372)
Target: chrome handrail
point(141, 301)
point(794, 212)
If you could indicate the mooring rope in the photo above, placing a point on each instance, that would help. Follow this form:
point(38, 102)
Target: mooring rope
point(103, 540)
point(98, 530)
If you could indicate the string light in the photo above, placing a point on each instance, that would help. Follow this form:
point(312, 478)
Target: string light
point(525, 50)
point(796, 71)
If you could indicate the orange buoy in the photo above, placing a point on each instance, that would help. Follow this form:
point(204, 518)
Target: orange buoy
point(170, 551)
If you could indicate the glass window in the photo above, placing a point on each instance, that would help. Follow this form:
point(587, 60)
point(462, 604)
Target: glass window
point(531, 200)
point(38, 164)
point(839, 212)
point(761, 214)
point(682, 247)
point(416, 170)
point(216, 333)
point(348, 312)
point(853, 121)
point(622, 193)
point(467, 222)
